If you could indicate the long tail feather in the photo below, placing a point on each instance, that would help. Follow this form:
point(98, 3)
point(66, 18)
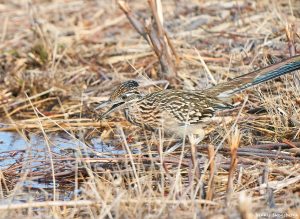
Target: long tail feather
point(245, 81)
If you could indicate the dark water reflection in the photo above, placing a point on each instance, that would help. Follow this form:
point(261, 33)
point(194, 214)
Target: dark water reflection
point(20, 154)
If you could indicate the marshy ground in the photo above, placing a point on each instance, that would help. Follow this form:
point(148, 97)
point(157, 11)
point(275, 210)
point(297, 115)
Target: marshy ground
point(58, 59)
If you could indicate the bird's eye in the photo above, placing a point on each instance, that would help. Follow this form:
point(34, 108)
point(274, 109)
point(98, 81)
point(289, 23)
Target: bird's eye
point(124, 97)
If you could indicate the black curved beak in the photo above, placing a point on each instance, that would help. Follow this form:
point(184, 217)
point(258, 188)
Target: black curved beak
point(114, 107)
point(103, 104)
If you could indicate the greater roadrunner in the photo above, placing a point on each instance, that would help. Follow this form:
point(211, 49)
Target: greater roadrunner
point(186, 112)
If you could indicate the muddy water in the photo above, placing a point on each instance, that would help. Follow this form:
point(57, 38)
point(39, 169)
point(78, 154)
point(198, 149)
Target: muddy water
point(12, 143)
point(20, 154)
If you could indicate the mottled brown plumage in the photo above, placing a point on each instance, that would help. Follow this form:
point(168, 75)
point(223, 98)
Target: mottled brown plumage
point(186, 112)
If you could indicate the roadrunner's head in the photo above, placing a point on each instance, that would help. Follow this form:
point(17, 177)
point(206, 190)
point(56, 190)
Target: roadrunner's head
point(124, 95)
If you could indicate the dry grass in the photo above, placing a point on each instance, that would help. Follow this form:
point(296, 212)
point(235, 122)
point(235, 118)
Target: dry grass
point(58, 58)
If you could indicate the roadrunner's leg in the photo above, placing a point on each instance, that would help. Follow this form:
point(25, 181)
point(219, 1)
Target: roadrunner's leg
point(194, 141)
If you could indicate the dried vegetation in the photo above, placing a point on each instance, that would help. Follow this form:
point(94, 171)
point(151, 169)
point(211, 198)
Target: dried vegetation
point(59, 58)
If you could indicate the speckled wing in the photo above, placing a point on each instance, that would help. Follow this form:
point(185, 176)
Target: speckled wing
point(173, 109)
point(189, 106)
